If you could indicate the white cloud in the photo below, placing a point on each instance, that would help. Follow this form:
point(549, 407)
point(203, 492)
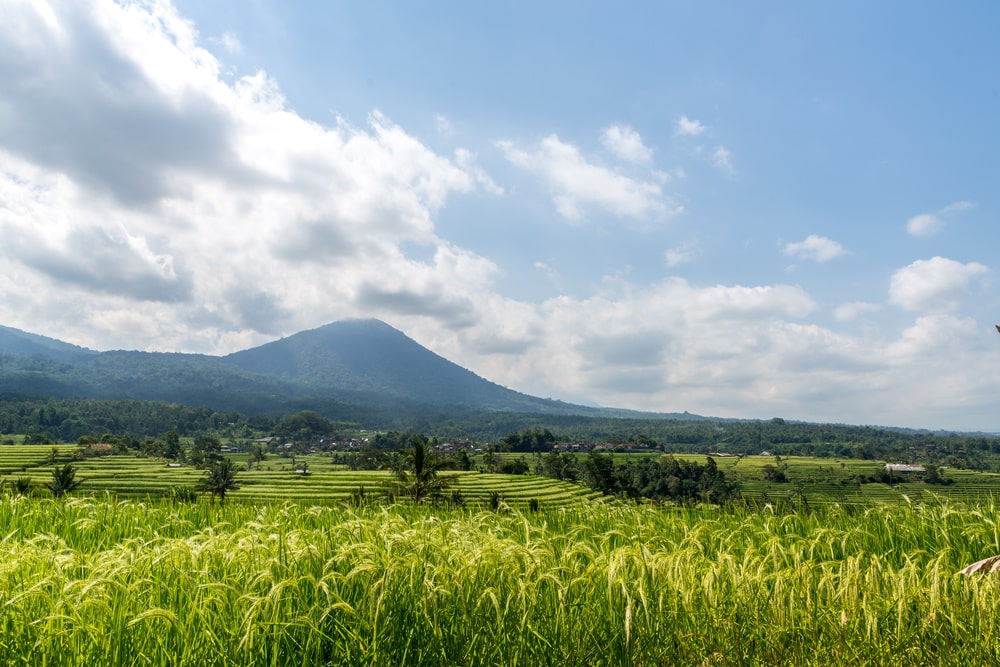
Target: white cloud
point(230, 42)
point(815, 248)
point(681, 254)
point(723, 160)
point(444, 126)
point(147, 203)
point(689, 128)
point(466, 159)
point(154, 205)
point(626, 144)
point(928, 224)
point(577, 184)
point(848, 312)
point(935, 285)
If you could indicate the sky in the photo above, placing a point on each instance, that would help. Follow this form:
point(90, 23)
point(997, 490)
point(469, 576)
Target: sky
point(746, 210)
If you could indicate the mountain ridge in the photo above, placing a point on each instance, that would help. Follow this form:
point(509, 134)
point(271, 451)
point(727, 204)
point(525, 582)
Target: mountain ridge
point(361, 368)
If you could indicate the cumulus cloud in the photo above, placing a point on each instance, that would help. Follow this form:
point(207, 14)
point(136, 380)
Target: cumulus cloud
point(132, 173)
point(848, 312)
point(815, 248)
point(578, 184)
point(147, 200)
point(935, 285)
point(626, 144)
point(928, 224)
point(689, 128)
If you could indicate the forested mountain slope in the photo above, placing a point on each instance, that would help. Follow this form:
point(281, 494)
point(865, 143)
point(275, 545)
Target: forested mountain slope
point(356, 369)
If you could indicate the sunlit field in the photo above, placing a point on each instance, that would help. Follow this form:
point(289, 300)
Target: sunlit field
point(89, 581)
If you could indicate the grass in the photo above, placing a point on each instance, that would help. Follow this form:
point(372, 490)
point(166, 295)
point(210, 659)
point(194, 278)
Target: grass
point(99, 581)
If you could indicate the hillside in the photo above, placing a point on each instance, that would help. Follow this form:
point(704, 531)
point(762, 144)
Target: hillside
point(21, 343)
point(357, 369)
point(370, 357)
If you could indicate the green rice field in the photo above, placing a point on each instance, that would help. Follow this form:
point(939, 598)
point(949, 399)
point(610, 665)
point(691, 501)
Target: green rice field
point(811, 481)
point(276, 480)
point(99, 581)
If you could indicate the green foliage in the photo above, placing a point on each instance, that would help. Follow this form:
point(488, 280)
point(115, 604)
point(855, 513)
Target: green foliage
point(516, 466)
point(668, 478)
point(22, 486)
point(63, 480)
point(461, 460)
point(171, 445)
point(561, 465)
point(182, 494)
point(535, 439)
point(304, 426)
point(258, 454)
point(219, 479)
point(418, 471)
point(774, 474)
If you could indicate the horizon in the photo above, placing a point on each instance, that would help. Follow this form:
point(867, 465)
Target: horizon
point(757, 212)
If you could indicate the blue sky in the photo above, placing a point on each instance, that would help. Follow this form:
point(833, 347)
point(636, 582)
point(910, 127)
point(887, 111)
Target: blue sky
point(735, 209)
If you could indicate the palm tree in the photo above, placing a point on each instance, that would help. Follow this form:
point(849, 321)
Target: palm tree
point(63, 481)
point(257, 454)
point(22, 486)
point(219, 479)
point(418, 471)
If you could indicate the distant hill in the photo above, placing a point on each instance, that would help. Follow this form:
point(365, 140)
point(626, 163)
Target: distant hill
point(362, 370)
point(17, 342)
point(370, 357)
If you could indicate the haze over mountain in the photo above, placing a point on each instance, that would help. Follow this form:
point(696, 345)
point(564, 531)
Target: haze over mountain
point(349, 369)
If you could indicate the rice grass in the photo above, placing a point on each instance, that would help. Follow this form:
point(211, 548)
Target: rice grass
point(98, 581)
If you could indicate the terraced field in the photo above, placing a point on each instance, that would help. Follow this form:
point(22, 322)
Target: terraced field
point(277, 479)
point(826, 481)
point(810, 481)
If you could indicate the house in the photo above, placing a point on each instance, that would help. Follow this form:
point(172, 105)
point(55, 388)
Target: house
point(904, 468)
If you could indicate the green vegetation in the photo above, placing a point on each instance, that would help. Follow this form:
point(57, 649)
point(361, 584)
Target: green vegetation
point(95, 581)
point(219, 479)
point(63, 480)
point(418, 471)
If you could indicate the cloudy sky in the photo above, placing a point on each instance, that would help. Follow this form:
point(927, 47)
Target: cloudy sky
point(737, 209)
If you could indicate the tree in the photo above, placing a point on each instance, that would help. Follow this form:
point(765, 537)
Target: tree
point(219, 479)
point(257, 454)
point(171, 445)
point(561, 465)
point(773, 474)
point(462, 460)
point(516, 466)
point(304, 426)
point(209, 446)
point(22, 486)
point(530, 440)
point(63, 481)
point(418, 470)
point(599, 472)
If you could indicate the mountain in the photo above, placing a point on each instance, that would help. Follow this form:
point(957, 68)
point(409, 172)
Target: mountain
point(362, 370)
point(370, 357)
point(17, 342)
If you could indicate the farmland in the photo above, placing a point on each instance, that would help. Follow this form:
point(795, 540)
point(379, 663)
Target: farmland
point(276, 480)
point(809, 481)
point(303, 569)
point(100, 581)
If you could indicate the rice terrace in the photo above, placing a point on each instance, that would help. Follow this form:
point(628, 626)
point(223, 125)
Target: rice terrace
point(310, 560)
